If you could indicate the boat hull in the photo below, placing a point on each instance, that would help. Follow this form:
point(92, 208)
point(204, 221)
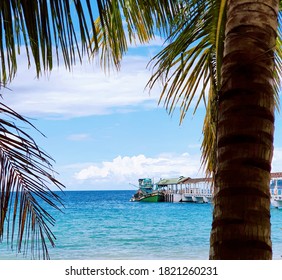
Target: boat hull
point(276, 201)
point(154, 197)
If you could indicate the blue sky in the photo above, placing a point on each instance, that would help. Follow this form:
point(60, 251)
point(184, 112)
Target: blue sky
point(106, 131)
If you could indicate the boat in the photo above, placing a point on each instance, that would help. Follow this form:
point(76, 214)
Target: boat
point(276, 192)
point(276, 201)
point(147, 192)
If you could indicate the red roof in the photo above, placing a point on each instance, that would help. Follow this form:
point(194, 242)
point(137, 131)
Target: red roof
point(195, 180)
point(276, 175)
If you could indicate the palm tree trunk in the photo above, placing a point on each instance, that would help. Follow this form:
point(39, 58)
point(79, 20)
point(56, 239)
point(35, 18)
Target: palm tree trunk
point(241, 216)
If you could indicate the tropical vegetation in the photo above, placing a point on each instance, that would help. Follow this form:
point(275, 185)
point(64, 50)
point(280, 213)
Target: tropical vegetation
point(227, 54)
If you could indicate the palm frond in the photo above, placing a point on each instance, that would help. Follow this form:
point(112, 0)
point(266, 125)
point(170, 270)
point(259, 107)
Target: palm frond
point(42, 26)
point(190, 66)
point(26, 176)
point(124, 22)
point(179, 65)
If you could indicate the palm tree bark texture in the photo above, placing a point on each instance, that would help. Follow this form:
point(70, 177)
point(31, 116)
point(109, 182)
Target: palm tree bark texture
point(241, 226)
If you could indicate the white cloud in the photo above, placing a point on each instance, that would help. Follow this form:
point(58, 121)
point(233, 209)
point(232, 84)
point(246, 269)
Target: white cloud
point(122, 170)
point(128, 169)
point(79, 137)
point(277, 160)
point(85, 91)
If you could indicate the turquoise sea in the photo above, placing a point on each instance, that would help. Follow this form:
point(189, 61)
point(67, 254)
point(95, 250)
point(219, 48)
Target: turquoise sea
point(105, 225)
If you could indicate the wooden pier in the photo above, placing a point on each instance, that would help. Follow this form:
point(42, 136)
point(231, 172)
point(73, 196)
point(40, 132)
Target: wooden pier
point(199, 190)
point(186, 189)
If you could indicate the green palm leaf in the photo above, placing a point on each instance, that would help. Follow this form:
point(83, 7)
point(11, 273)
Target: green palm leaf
point(26, 176)
point(190, 66)
point(125, 22)
point(45, 28)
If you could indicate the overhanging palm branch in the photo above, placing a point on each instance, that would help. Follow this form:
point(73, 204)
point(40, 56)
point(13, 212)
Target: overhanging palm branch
point(45, 28)
point(189, 67)
point(125, 22)
point(26, 176)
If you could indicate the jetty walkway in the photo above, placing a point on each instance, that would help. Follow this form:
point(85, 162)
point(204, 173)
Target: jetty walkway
point(200, 190)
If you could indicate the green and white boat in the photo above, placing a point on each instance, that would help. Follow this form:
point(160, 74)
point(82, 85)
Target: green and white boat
point(147, 192)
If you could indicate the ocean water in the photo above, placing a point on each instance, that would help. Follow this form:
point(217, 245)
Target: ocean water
point(105, 225)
